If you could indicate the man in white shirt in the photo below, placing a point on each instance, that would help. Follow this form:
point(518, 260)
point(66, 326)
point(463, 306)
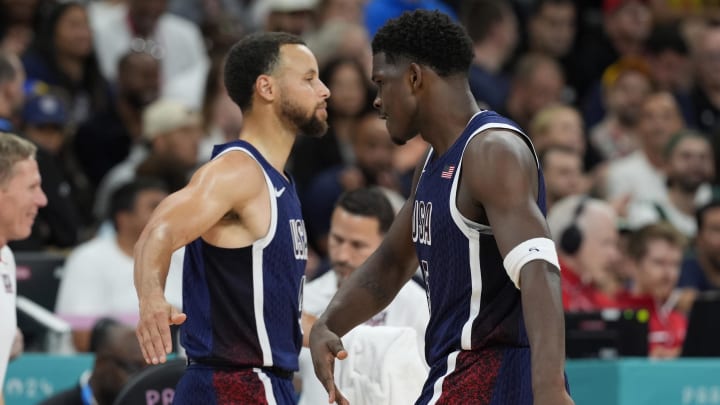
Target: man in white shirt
point(20, 199)
point(357, 227)
point(641, 175)
point(98, 278)
point(146, 26)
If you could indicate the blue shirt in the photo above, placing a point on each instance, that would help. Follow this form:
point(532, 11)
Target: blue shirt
point(693, 276)
point(378, 12)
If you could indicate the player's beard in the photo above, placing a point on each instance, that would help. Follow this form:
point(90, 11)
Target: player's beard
point(306, 125)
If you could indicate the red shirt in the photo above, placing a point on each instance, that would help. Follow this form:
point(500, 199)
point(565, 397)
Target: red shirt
point(579, 296)
point(666, 328)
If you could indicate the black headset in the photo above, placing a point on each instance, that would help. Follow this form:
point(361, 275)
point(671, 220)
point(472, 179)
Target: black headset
point(572, 236)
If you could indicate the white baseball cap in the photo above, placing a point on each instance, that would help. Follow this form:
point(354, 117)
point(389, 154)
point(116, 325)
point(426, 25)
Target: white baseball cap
point(166, 115)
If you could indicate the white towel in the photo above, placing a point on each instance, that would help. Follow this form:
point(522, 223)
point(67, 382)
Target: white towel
point(384, 366)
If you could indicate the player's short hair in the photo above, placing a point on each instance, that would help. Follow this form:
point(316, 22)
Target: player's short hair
point(427, 38)
point(256, 54)
point(640, 239)
point(368, 202)
point(13, 149)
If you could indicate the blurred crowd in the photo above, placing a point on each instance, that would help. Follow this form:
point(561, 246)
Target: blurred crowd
point(125, 98)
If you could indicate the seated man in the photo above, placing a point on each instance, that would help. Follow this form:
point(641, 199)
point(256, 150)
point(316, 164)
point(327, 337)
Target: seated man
point(98, 277)
point(358, 224)
point(117, 358)
point(656, 253)
point(585, 231)
point(701, 270)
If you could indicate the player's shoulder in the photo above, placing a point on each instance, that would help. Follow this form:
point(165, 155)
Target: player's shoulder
point(234, 167)
point(494, 146)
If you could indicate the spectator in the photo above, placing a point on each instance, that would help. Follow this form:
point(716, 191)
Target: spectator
point(558, 125)
point(117, 358)
point(12, 77)
point(562, 169)
point(641, 175)
point(707, 86)
point(656, 252)
point(359, 223)
point(669, 60)
point(293, 16)
point(108, 138)
point(62, 56)
point(701, 270)
point(341, 40)
point(17, 24)
point(689, 163)
point(537, 82)
point(625, 85)
point(344, 10)
point(585, 231)
point(58, 224)
point(98, 278)
point(146, 26)
point(551, 28)
point(172, 133)
point(626, 24)
point(221, 117)
point(492, 26)
point(222, 22)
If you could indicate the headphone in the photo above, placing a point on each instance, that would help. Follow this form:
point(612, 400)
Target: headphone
point(572, 236)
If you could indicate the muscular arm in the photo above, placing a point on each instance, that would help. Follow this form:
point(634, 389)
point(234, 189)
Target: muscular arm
point(223, 185)
point(502, 175)
point(187, 214)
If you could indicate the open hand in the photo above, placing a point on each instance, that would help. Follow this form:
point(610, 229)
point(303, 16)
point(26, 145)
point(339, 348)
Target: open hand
point(153, 330)
point(325, 347)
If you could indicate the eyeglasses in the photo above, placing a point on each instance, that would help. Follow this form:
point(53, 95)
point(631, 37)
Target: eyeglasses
point(149, 46)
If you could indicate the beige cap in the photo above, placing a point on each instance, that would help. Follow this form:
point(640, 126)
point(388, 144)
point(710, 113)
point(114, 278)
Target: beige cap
point(288, 6)
point(164, 116)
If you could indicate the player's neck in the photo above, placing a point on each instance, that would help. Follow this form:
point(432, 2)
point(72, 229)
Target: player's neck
point(448, 113)
point(270, 137)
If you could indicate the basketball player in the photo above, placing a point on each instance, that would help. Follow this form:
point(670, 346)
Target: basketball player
point(475, 223)
point(20, 199)
point(246, 246)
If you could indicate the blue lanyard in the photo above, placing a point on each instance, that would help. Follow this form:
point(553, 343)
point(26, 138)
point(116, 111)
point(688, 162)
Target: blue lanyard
point(5, 125)
point(85, 391)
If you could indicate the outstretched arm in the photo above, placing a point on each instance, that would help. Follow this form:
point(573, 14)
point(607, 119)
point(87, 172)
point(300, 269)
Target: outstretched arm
point(181, 218)
point(502, 175)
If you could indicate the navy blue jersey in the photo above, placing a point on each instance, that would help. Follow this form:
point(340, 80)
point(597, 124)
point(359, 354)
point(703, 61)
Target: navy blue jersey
point(473, 303)
point(243, 305)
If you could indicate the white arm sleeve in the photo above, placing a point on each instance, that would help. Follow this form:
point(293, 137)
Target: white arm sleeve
point(532, 249)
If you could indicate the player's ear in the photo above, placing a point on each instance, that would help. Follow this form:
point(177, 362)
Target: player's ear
point(415, 76)
point(265, 87)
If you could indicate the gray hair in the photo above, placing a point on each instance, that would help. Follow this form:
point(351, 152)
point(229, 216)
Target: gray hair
point(13, 149)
